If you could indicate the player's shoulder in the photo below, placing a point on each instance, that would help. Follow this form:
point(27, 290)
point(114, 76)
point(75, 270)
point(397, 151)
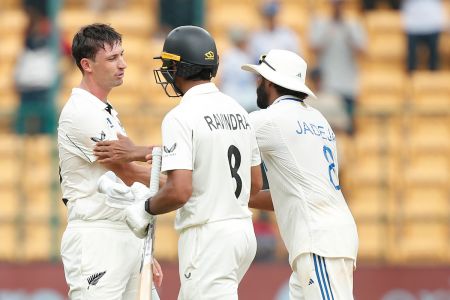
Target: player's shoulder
point(79, 113)
point(315, 113)
point(180, 114)
point(259, 118)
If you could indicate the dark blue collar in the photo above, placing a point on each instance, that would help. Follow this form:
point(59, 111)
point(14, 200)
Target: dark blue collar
point(288, 98)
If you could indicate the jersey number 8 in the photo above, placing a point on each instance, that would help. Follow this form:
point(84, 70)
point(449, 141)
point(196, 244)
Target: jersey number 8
point(233, 151)
point(331, 167)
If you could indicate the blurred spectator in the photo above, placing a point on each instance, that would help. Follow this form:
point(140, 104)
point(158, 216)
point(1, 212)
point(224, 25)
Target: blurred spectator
point(265, 237)
point(330, 104)
point(424, 21)
point(273, 35)
point(35, 74)
point(233, 81)
point(373, 4)
point(176, 13)
point(336, 42)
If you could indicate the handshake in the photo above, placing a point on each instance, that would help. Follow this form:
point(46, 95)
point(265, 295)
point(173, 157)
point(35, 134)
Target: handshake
point(132, 199)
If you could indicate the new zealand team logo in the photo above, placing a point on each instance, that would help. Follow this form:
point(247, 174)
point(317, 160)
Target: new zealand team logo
point(93, 279)
point(171, 149)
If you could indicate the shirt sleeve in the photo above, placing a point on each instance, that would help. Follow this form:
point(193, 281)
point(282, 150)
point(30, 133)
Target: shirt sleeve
point(263, 129)
point(177, 143)
point(256, 156)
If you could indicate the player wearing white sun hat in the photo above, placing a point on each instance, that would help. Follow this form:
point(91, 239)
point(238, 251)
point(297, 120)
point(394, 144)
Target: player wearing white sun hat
point(298, 148)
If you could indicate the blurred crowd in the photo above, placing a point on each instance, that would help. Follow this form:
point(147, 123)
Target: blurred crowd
point(337, 42)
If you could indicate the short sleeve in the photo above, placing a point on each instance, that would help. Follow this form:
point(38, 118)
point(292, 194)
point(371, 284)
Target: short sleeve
point(177, 143)
point(256, 156)
point(263, 130)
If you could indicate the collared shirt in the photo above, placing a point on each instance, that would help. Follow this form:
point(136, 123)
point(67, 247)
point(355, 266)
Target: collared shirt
point(298, 148)
point(84, 121)
point(209, 133)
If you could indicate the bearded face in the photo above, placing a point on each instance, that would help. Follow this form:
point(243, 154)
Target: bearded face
point(262, 98)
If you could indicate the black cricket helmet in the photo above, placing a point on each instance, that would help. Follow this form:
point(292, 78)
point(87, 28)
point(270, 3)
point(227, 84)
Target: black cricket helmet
point(187, 51)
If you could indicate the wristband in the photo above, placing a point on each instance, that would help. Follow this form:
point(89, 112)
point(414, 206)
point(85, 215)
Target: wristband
point(147, 205)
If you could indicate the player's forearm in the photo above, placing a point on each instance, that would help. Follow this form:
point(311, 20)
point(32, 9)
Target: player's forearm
point(139, 153)
point(131, 172)
point(169, 198)
point(261, 200)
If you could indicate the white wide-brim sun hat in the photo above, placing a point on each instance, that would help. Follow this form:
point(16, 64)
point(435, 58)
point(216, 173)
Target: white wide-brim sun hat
point(284, 68)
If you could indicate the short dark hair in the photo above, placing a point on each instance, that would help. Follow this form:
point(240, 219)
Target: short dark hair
point(90, 39)
point(283, 91)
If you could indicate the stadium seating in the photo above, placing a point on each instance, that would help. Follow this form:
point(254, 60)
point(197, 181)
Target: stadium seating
point(373, 241)
point(430, 91)
point(427, 169)
point(38, 241)
point(166, 240)
point(427, 133)
point(11, 203)
point(8, 245)
point(422, 202)
point(423, 241)
point(382, 91)
point(371, 202)
point(378, 134)
point(222, 17)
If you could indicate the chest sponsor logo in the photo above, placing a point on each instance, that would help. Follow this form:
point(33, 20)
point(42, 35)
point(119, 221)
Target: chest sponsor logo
point(98, 139)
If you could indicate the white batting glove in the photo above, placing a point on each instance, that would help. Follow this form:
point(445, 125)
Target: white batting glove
point(118, 194)
point(140, 191)
point(138, 219)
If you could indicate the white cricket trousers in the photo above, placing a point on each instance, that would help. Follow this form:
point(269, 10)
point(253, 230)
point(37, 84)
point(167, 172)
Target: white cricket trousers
point(213, 259)
point(101, 260)
point(321, 278)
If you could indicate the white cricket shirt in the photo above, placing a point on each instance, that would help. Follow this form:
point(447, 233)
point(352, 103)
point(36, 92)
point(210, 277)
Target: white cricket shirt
point(83, 121)
point(209, 133)
point(298, 148)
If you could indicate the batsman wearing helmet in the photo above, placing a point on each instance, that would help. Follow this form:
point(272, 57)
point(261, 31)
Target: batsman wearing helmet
point(212, 162)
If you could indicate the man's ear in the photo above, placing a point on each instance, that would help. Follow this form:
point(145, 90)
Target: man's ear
point(86, 65)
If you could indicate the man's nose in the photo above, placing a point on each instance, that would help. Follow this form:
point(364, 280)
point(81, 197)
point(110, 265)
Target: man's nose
point(122, 63)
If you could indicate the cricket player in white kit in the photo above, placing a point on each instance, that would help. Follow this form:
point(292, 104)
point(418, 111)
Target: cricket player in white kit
point(212, 163)
point(101, 256)
point(298, 148)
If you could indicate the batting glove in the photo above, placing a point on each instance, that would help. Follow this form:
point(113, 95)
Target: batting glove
point(118, 194)
point(140, 191)
point(137, 219)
